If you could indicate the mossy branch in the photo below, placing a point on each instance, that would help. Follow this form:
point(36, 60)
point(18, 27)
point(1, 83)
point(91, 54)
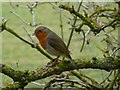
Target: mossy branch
point(89, 21)
point(22, 78)
point(71, 10)
point(101, 10)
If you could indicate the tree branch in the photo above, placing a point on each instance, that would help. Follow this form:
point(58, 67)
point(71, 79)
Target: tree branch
point(93, 25)
point(57, 67)
point(4, 27)
point(71, 10)
point(73, 25)
point(22, 78)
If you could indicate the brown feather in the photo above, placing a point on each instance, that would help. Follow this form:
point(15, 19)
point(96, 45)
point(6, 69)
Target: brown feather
point(57, 43)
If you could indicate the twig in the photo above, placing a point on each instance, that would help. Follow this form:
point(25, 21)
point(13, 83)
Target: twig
point(83, 33)
point(64, 80)
point(29, 35)
point(75, 20)
point(38, 84)
point(35, 4)
point(86, 20)
point(54, 6)
point(105, 26)
point(115, 51)
point(106, 77)
point(81, 77)
point(24, 25)
point(21, 6)
point(27, 42)
point(87, 32)
point(14, 33)
point(11, 4)
point(61, 25)
point(83, 41)
point(33, 18)
point(20, 18)
point(100, 11)
point(31, 9)
point(111, 84)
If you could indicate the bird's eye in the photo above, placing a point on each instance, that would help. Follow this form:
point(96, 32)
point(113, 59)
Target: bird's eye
point(40, 31)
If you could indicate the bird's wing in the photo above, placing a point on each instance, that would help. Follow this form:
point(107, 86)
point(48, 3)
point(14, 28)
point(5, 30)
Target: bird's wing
point(58, 45)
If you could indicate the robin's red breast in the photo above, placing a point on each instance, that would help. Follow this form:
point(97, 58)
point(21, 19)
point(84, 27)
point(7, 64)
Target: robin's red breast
point(51, 42)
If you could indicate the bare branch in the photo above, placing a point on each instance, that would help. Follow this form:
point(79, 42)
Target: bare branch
point(64, 80)
point(118, 48)
point(4, 27)
point(29, 35)
point(20, 17)
point(61, 25)
point(75, 20)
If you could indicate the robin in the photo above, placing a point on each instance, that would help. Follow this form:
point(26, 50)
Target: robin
point(52, 43)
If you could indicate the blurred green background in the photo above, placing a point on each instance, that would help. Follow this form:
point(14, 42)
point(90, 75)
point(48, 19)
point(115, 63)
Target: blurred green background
point(21, 56)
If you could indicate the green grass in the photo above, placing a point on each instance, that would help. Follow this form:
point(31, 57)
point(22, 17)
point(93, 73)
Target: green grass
point(17, 52)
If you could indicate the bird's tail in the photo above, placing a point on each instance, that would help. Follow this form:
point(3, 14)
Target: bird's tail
point(72, 62)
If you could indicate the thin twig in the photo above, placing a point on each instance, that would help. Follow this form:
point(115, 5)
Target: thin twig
point(105, 26)
point(87, 32)
point(21, 6)
point(20, 17)
point(35, 4)
point(11, 4)
point(73, 11)
point(33, 18)
point(61, 25)
point(27, 42)
point(113, 81)
point(54, 6)
point(100, 11)
point(75, 20)
point(82, 77)
point(64, 80)
point(115, 51)
point(29, 35)
point(23, 24)
point(84, 35)
point(107, 77)
point(31, 9)
point(83, 41)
